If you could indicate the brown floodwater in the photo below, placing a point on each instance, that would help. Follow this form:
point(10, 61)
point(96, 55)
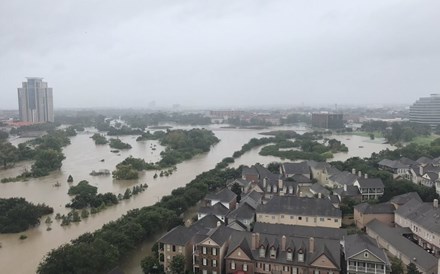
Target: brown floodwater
point(83, 156)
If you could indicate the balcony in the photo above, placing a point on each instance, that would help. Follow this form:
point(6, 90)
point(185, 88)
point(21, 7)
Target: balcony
point(364, 269)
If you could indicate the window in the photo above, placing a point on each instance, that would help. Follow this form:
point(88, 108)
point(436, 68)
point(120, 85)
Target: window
point(214, 263)
point(245, 268)
point(307, 219)
point(286, 268)
point(266, 267)
point(366, 254)
point(292, 217)
point(214, 251)
point(321, 219)
point(205, 272)
point(336, 220)
point(289, 255)
point(300, 256)
point(204, 250)
point(282, 216)
point(316, 272)
point(232, 265)
point(180, 249)
point(294, 270)
point(204, 261)
point(300, 218)
point(262, 251)
point(168, 247)
point(273, 253)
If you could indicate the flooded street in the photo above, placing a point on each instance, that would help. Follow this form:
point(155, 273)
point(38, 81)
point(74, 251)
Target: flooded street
point(83, 156)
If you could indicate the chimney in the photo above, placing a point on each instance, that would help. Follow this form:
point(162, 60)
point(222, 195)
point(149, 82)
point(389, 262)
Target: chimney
point(283, 243)
point(366, 176)
point(359, 173)
point(345, 187)
point(319, 195)
point(255, 241)
point(435, 203)
point(311, 245)
point(264, 182)
point(353, 171)
point(421, 170)
point(280, 184)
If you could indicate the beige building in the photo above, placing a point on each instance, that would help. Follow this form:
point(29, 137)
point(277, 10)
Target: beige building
point(35, 101)
point(292, 210)
point(365, 213)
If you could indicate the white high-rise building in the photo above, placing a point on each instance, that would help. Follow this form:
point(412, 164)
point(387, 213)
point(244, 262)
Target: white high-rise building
point(35, 101)
point(426, 110)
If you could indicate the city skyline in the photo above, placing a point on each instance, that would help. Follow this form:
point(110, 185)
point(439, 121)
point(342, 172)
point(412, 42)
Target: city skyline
point(233, 53)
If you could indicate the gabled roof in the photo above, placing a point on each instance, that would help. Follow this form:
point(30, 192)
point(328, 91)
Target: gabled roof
point(334, 199)
point(249, 171)
point(241, 182)
point(300, 178)
point(382, 208)
point(244, 211)
point(221, 234)
point(318, 188)
point(218, 210)
point(237, 225)
point(404, 198)
point(411, 250)
point(356, 243)
point(344, 178)
point(350, 192)
point(299, 206)
point(317, 165)
point(225, 196)
point(407, 161)
point(423, 214)
point(370, 183)
point(296, 168)
point(424, 160)
point(179, 235)
point(392, 164)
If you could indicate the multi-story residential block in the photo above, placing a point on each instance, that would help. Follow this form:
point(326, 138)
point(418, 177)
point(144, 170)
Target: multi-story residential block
point(363, 256)
point(300, 231)
point(293, 210)
point(180, 241)
point(35, 101)
point(264, 253)
point(365, 213)
point(396, 242)
point(209, 251)
point(370, 188)
point(424, 221)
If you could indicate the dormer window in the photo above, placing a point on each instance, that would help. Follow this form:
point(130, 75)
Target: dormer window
point(268, 188)
point(300, 256)
point(262, 251)
point(273, 252)
point(289, 255)
point(275, 189)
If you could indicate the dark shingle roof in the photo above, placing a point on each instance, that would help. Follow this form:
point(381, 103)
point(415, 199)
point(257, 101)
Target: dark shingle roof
point(300, 231)
point(370, 183)
point(423, 214)
point(179, 235)
point(350, 192)
point(424, 160)
point(296, 168)
point(218, 210)
point(392, 164)
point(299, 206)
point(404, 198)
point(356, 243)
point(318, 188)
point(245, 211)
point(382, 208)
point(225, 196)
point(344, 178)
point(394, 237)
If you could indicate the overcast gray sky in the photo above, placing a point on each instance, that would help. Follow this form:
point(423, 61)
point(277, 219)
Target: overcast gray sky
point(218, 53)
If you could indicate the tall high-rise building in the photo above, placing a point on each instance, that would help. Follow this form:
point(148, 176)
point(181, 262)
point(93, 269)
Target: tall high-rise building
point(35, 101)
point(426, 110)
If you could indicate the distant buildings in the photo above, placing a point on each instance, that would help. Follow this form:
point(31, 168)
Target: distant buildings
point(426, 110)
point(35, 101)
point(328, 120)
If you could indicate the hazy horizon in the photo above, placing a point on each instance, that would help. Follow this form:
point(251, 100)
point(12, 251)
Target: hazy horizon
point(217, 54)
